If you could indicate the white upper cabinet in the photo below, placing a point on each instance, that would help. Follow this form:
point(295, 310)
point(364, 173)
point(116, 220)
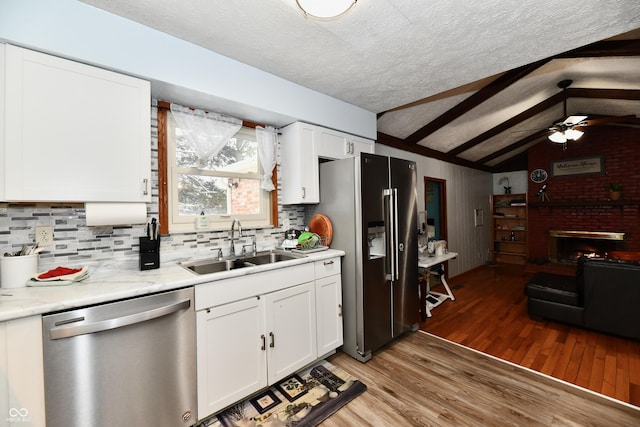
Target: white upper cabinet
point(299, 164)
point(339, 145)
point(73, 132)
point(301, 147)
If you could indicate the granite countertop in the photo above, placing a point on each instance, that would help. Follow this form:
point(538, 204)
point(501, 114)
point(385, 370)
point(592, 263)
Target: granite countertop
point(114, 279)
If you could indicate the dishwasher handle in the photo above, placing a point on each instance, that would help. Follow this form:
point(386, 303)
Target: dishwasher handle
point(68, 331)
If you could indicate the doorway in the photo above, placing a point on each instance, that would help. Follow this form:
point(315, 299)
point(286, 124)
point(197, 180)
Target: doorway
point(435, 208)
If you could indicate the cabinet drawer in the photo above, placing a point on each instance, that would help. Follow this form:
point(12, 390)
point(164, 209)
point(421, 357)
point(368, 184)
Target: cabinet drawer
point(327, 267)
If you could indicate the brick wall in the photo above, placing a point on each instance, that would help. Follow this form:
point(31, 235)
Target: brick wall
point(620, 148)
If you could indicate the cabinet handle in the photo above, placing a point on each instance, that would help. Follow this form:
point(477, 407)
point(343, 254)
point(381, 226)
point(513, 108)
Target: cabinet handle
point(264, 342)
point(304, 192)
point(339, 310)
point(352, 149)
point(145, 183)
point(328, 262)
point(273, 340)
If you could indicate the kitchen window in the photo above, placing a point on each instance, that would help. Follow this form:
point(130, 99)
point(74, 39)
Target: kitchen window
point(224, 186)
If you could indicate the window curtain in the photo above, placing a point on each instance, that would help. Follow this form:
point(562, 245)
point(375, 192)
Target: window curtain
point(266, 138)
point(206, 132)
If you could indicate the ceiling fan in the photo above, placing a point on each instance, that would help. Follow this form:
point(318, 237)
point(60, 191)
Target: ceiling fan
point(571, 128)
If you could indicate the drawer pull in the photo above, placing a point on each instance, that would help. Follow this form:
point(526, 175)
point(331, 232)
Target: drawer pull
point(328, 262)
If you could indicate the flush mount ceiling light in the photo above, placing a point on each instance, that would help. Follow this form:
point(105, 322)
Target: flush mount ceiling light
point(325, 9)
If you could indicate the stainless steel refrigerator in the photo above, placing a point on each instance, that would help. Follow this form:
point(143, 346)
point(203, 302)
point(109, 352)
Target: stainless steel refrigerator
point(371, 201)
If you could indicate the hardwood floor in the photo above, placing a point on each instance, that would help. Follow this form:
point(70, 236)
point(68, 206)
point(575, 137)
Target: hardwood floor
point(423, 380)
point(490, 315)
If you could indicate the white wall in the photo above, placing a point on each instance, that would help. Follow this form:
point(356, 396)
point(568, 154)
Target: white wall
point(518, 181)
point(179, 71)
point(467, 189)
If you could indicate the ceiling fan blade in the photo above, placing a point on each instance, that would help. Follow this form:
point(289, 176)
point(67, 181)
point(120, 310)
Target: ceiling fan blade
point(610, 119)
point(573, 120)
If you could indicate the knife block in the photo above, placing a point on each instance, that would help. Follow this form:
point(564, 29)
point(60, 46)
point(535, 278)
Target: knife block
point(149, 253)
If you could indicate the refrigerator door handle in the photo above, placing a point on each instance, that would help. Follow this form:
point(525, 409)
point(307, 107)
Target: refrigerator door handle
point(396, 257)
point(389, 221)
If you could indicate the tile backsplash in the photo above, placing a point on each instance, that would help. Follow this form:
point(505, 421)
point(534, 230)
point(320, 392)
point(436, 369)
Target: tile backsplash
point(74, 240)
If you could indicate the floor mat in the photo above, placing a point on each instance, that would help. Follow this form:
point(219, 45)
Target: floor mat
point(304, 399)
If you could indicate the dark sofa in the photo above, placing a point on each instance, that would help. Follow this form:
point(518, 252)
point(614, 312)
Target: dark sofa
point(604, 296)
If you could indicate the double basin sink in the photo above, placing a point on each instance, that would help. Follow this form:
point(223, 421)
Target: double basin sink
point(214, 265)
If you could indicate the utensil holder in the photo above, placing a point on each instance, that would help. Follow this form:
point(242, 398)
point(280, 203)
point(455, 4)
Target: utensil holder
point(149, 253)
point(16, 270)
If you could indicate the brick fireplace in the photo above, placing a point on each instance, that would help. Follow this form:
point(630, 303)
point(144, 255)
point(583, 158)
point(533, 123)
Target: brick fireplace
point(581, 202)
point(569, 245)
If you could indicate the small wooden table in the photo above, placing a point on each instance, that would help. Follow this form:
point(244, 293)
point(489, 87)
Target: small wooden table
point(429, 299)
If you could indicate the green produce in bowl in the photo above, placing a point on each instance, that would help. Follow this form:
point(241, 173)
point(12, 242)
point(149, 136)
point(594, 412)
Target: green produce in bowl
point(308, 240)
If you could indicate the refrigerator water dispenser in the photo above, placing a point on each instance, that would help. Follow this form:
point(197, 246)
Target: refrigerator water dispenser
point(376, 240)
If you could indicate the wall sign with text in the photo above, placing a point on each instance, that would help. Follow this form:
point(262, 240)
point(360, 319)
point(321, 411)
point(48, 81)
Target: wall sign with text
point(580, 166)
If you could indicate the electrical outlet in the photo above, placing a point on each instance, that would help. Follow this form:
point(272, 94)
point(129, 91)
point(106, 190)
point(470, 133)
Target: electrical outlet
point(44, 236)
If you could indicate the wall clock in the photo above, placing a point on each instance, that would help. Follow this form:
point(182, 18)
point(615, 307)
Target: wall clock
point(539, 175)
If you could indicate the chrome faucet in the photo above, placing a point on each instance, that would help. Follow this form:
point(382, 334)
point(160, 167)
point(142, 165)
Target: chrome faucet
point(232, 250)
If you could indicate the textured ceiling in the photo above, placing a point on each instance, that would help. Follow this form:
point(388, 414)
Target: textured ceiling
point(385, 54)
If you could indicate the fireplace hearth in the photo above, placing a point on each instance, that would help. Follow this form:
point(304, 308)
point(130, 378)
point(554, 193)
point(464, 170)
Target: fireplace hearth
point(567, 246)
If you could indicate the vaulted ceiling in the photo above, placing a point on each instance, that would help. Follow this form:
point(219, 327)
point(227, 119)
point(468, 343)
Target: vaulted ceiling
point(490, 125)
point(472, 83)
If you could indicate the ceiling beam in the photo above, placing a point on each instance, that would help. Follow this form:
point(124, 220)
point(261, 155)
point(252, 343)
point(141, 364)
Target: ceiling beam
point(604, 49)
point(392, 141)
point(629, 94)
point(473, 101)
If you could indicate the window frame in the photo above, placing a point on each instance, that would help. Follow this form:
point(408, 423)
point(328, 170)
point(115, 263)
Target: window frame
point(165, 200)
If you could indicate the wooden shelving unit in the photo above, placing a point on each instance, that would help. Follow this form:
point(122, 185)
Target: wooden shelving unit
point(509, 230)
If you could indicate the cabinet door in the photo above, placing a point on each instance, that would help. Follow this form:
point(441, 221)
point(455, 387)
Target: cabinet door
point(291, 330)
point(74, 132)
point(359, 145)
point(333, 145)
point(339, 145)
point(231, 354)
point(22, 379)
point(299, 164)
point(329, 313)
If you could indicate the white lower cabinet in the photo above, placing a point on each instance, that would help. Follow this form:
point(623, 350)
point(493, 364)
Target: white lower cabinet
point(291, 330)
point(328, 305)
point(21, 373)
point(231, 362)
point(251, 332)
point(246, 345)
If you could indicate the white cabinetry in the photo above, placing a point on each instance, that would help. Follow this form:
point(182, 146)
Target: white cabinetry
point(299, 164)
point(251, 332)
point(328, 305)
point(21, 373)
point(230, 361)
point(301, 147)
point(339, 145)
point(73, 132)
point(291, 330)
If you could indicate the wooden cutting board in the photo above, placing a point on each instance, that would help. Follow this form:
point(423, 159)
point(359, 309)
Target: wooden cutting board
point(321, 225)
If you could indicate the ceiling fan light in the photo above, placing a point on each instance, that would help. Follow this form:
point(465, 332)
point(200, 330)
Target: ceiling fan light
point(558, 137)
point(325, 9)
point(574, 120)
point(573, 134)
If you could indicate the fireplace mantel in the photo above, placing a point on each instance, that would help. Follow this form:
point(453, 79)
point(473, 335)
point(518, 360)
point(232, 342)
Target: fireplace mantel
point(582, 202)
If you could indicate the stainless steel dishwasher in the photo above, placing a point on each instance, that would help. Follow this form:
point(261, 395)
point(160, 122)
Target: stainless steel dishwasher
point(126, 363)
